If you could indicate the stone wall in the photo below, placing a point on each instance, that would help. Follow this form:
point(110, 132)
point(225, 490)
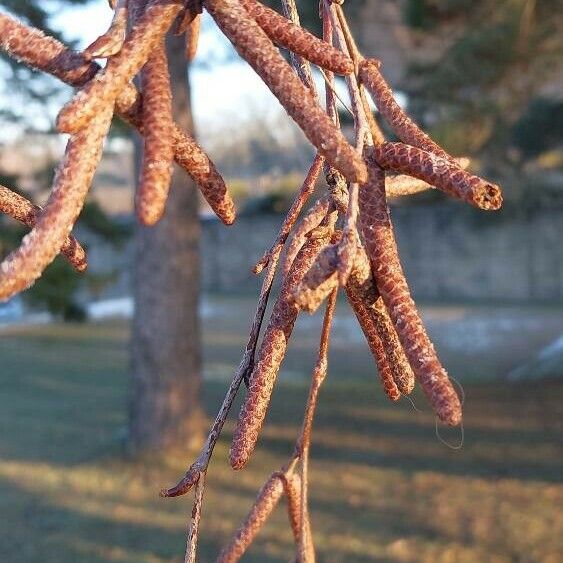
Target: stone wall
point(449, 252)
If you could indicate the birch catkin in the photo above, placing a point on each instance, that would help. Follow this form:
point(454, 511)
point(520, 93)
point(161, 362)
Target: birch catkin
point(37, 50)
point(443, 174)
point(362, 293)
point(355, 292)
point(22, 210)
point(404, 127)
point(257, 49)
point(192, 37)
point(319, 281)
point(270, 357)
point(72, 181)
point(382, 251)
point(267, 500)
point(158, 127)
point(110, 43)
point(298, 40)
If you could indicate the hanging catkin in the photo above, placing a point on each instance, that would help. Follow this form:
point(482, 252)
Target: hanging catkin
point(440, 173)
point(270, 357)
point(72, 181)
point(22, 210)
point(382, 251)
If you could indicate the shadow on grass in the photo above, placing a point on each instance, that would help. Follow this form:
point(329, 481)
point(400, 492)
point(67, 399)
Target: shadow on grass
point(383, 488)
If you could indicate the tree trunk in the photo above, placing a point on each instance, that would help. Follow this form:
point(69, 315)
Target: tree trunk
point(165, 408)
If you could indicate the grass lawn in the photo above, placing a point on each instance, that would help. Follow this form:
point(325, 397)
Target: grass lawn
point(383, 487)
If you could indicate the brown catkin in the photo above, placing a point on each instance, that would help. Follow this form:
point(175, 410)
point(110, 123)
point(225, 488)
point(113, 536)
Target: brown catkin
point(195, 161)
point(49, 55)
point(363, 311)
point(404, 127)
point(267, 500)
point(72, 181)
point(22, 210)
point(363, 286)
point(403, 185)
point(158, 128)
point(446, 175)
point(401, 370)
point(293, 492)
point(110, 43)
point(319, 281)
point(256, 48)
point(270, 357)
point(293, 37)
point(383, 254)
point(33, 48)
point(140, 43)
point(292, 489)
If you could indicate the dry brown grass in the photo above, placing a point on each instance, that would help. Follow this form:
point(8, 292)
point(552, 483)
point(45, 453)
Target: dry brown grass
point(382, 487)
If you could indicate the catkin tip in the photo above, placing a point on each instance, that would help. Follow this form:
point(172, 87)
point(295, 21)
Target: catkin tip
point(490, 198)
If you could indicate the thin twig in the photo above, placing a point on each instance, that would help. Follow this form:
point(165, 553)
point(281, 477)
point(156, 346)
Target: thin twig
point(306, 550)
point(193, 532)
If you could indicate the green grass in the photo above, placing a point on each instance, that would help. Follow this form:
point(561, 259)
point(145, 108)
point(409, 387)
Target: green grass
point(383, 487)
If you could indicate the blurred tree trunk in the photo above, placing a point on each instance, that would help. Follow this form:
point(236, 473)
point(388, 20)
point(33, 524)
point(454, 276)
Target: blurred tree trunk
point(166, 349)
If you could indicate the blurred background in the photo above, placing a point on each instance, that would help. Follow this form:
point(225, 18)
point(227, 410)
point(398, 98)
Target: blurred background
point(80, 472)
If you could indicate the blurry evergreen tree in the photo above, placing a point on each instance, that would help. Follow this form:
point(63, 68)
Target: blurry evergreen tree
point(499, 58)
point(29, 91)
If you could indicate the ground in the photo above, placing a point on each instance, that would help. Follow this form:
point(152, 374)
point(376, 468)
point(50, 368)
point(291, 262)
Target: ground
point(384, 488)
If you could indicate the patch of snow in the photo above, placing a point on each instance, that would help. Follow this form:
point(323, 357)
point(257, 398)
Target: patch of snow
point(121, 308)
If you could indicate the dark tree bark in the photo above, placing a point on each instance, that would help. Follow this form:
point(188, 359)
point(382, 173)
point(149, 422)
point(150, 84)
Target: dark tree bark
point(166, 350)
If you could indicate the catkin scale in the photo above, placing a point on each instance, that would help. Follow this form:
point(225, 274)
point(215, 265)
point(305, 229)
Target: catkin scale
point(391, 283)
point(22, 210)
point(256, 48)
point(443, 174)
point(270, 357)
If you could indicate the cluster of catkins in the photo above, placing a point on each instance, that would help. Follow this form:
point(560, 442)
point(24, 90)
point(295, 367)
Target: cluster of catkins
point(345, 240)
